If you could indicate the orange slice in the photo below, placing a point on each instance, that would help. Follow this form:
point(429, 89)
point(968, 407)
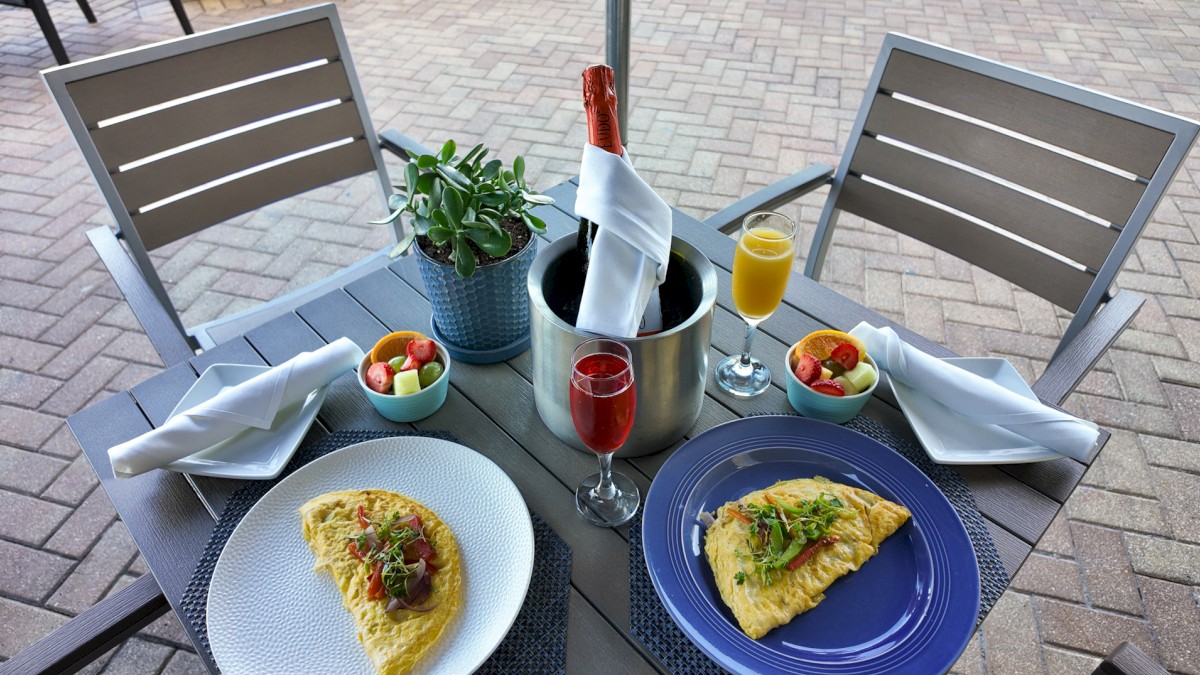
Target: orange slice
point(393, 344)
point(822, 343)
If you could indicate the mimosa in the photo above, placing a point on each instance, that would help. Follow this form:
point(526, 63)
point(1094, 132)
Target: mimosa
point(761, 267)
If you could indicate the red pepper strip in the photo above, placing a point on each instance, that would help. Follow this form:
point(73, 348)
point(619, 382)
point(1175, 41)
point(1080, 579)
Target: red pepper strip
point(740, 516)
point(353, 548)
point(809, 552)
point(375, 589)
point(362, 518)
point(424, 550)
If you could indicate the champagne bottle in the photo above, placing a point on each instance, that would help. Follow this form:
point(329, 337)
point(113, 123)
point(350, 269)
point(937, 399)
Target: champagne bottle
point(600, 105)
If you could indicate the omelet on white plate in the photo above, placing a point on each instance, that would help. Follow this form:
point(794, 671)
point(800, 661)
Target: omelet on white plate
point(397, 567)
point(775, 551)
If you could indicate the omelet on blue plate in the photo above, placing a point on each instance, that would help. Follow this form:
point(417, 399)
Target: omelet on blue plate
point(775, 551)
point(397, 567)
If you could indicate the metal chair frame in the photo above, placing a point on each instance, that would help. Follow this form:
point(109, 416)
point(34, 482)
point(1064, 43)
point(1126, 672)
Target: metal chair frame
point(952, 110)
point(99, 85)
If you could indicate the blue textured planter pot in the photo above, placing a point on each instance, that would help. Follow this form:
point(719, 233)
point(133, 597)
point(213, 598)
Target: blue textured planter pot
point(483, 319)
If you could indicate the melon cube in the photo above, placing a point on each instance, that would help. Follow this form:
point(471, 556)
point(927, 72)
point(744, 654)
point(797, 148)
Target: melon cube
point(862, 376)
point(847, 385)
point(406, 382)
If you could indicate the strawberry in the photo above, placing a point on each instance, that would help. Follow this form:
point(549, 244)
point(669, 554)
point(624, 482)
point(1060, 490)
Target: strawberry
point(421, 351)
point(808, 369)
point(828, 387)
point(409, 364)
point(845, 354)
point(379, 377)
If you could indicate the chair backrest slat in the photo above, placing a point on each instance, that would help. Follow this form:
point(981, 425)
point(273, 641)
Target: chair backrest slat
point(1015, 211)
point(210, 162)
point(1054, 280)
point(141, 86)
point(180, 218)
point(1113, 139)
point(1084, 186)
point(168, 128)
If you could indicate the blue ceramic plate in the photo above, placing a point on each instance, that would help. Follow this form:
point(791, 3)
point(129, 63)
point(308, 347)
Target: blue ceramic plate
point(911, 608)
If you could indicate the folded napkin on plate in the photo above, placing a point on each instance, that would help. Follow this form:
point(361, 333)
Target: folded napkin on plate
point(253, 403)
point(632, 247)
point(977, 398)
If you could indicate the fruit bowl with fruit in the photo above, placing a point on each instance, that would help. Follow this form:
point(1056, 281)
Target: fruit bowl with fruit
point(830, 376)
point(405, 376)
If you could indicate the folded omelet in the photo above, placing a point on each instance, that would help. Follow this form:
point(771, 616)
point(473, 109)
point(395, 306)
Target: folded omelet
point(394, 642)
point(763, 596)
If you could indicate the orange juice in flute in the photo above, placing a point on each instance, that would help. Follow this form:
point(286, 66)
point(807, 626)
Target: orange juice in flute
point(761, 268)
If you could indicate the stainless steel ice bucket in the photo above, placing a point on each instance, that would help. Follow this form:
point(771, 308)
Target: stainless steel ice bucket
point(669, 368)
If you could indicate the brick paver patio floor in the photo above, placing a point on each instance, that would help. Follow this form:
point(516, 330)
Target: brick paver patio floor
point(726, 98)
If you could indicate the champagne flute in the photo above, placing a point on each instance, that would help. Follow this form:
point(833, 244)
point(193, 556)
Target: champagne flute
point(603, 401)
point(761, 268)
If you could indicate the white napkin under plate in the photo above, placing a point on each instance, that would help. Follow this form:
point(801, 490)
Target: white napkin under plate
point(632, 247)
point(977, 398)
point(253, 403)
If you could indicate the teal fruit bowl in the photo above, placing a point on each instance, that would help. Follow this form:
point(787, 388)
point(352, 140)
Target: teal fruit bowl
point(411, 407)
point(836, 409)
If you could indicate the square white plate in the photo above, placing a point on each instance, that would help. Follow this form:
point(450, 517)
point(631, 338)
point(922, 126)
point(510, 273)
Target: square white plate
point(950, 438)
point(254, 454)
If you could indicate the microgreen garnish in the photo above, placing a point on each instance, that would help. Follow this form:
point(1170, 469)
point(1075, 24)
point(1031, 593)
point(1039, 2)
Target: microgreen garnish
point(780, 532)
point(389, 540)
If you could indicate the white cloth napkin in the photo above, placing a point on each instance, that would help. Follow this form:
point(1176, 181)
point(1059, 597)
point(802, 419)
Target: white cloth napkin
point(632, 247)
point(253, 403)
point(977, 398)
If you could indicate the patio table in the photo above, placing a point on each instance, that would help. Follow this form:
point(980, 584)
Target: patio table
point(491, 410)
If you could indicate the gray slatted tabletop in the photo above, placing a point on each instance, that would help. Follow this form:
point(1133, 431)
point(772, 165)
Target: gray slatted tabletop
point(491, 409)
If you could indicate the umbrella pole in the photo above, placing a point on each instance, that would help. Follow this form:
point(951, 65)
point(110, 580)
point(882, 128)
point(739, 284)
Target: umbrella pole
point(617, 34)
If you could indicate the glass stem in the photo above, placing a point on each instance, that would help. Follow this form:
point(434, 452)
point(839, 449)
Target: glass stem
point(750, 327)
point(605, 489)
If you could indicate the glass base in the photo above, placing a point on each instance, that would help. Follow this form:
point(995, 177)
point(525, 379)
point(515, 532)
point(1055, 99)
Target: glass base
point(612, 512)
point(739, 379)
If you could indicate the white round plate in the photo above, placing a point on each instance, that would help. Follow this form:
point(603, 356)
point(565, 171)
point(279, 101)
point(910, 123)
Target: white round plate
point(270, 612)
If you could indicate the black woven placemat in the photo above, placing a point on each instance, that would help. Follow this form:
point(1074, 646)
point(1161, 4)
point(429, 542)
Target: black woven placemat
point(537, 642)
point(654, 627)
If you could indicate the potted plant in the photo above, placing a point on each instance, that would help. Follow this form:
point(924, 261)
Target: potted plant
point(475, 241)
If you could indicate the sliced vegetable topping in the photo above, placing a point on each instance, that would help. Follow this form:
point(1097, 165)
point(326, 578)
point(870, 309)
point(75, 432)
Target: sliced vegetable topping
point(783, 535)
point(399, 555)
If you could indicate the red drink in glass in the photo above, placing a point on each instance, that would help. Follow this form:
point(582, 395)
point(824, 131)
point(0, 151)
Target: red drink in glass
point(603, 401)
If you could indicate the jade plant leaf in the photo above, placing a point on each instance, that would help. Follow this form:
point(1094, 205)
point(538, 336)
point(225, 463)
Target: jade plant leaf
point(464, 259)
point(452, 202)
point(491, 243)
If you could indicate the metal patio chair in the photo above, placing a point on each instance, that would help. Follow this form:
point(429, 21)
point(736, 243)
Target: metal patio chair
point(38, 7)
point(287, 86)
point(188, 133)
point(1043, 183)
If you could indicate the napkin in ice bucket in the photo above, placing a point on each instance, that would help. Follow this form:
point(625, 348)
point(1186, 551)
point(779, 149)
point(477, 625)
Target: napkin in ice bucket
point(632, 247)
point(253, 403)
point(977, 398)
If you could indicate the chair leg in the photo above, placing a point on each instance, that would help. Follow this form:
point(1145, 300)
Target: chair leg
point(43, 19)
point(87, 11)
point(177, 5)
